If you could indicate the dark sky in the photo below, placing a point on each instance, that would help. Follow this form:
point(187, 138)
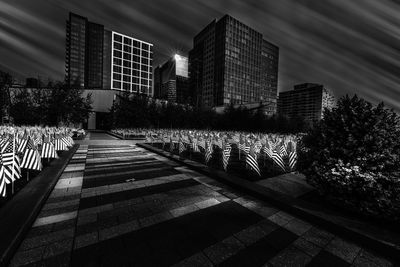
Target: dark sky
point(350, 46)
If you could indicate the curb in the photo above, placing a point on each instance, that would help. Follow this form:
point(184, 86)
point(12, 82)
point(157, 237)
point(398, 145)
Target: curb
point(21, 211)
point(115, 135)
point(385, 242)
point(122, 138)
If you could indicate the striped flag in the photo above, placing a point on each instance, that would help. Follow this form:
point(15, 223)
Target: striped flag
point(292, 155)
point(209, 151)
point(195, 146)
point(171, 145)
point(48, 149)
point(251, 160)
point(282, 150)
point(226, 152)
point(22, 143)
point(267, 150)
point(31, 158)
point(181, 146)
point(277, 158)
point(3, 180)
point(10, 161)
point(59, 145)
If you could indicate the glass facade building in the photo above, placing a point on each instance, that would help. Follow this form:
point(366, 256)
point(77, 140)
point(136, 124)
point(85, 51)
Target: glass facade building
point(232, 63)
point(75, 58)
point(171, 80)
point(97, 58)
point(132, 64)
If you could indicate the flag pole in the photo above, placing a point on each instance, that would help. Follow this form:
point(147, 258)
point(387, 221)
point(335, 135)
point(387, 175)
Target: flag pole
point(13, 169)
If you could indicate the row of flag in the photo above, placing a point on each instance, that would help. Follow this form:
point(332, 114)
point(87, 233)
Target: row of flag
point(26, 147)
point(252, 147)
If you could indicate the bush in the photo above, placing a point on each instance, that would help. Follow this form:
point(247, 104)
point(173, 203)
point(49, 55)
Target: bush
point(352, 157)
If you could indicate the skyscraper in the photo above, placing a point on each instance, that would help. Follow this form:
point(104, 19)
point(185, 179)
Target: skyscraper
point(307, 100)
point(232, 63)
point(75, 54)
point(171, 80)
point(97, 58)
point(104, 63)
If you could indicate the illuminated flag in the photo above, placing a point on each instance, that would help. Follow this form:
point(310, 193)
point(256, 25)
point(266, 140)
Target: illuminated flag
point(292, 155)
point(31, 159)
point(282, 150)
point(209, 151)
point(10, 161)
point(48, 149)
point(226, 152)
point(59, 145)
point(277, 158)
point(251, 160)
point(3, 180)
point(181, 146)
point(267, 150)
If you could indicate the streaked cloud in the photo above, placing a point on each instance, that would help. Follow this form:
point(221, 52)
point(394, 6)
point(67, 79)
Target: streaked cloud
point(349, 46)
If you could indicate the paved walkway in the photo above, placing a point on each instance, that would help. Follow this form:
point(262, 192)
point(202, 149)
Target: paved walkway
point(120, 205)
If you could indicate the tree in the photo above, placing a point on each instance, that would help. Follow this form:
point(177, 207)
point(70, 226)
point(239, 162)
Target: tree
point(5, 83)
point(353, 156)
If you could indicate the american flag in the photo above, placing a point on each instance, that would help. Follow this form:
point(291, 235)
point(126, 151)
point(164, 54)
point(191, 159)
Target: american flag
point(267, 150)
point(3, 180)
point(10, 162)
point(292, 155)
point(181, 146)
point(277, 158)
point(251, 160)
point(282, 150)
point(48, 150)
point(195, 145)
point(226, 152)
point(22, 143)
point(31, 159)
point(59, 145)
point(209, 151)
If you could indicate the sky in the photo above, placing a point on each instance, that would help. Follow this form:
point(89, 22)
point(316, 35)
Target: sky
point(350, 46)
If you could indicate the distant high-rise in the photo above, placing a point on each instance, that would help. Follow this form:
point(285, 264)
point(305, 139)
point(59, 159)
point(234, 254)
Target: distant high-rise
point(171, 80)
point(307, 100)
point(232, 63)
point(97, 58)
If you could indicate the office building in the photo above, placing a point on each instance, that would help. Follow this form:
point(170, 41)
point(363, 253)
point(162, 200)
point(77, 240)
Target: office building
point(107, 61)
point(132, 64)
point(97, 58)
point(307, 100)
point(171, 80)
point(231, 63)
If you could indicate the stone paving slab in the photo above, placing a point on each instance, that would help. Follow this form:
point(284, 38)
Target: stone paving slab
point(185, 219)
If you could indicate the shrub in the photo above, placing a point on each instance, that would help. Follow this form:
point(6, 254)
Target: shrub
point(352, 157)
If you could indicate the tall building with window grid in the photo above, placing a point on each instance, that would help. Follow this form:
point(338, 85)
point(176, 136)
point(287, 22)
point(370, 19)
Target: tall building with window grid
point(97, 58)
point(105, 63)
point(132, 64)
point(231, 63)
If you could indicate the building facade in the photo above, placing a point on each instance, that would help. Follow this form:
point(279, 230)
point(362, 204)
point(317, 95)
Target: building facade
point(132, 61)
point(97, 58)
point(106, 61)
point(171, 80)
point(231, 63)
point(307, 100)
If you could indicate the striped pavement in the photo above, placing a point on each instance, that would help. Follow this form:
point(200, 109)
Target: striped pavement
point(120, 205)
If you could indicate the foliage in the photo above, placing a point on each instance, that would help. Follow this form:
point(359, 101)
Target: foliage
point(5, 82)
point(137, 111)
point(353, 157)
point(55, 106)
